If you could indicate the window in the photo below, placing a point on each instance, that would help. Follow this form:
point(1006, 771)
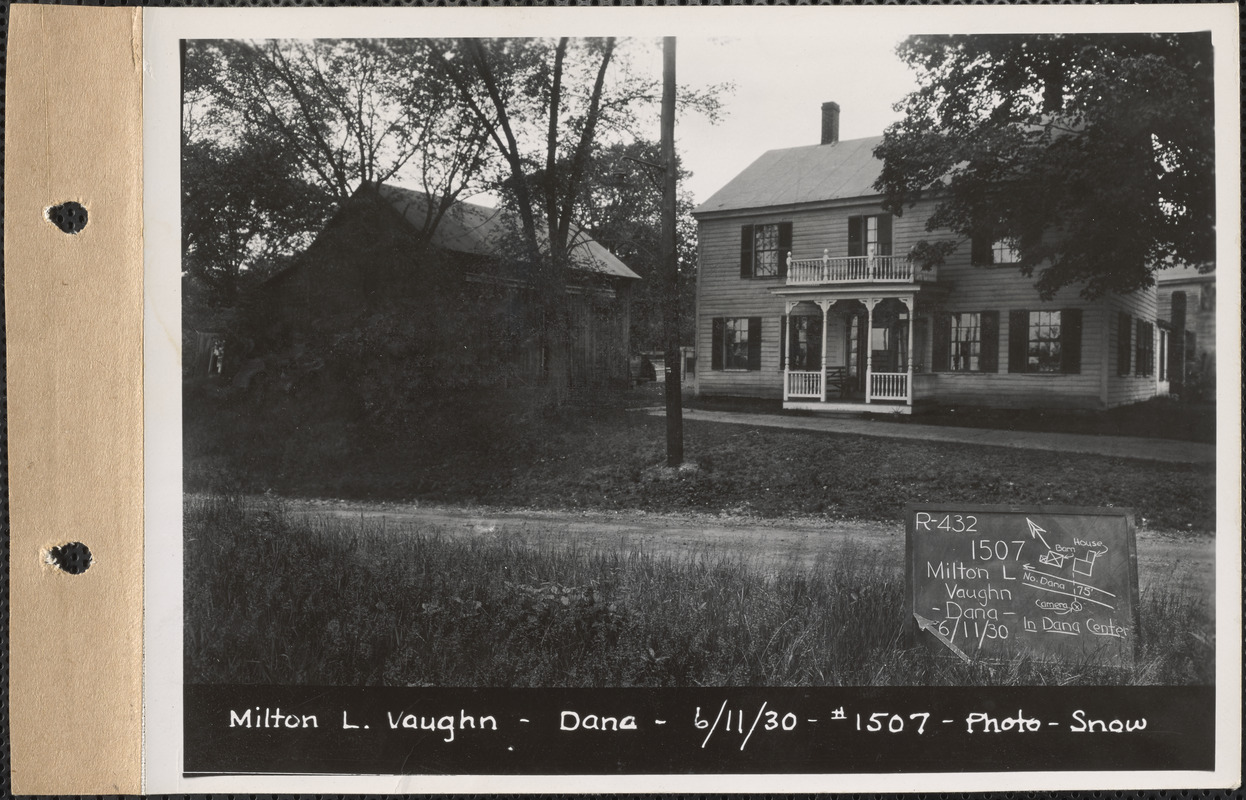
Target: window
point(1004, 252)
point(1144, 360)
point(764, 250)
point(1043, 348)
point(993, 252)
point(1045, 341)
point(1124, 344)
point(1207, 298)
point(735, 343)
point(1163, 354)
point(966, 341)
point(869, 235)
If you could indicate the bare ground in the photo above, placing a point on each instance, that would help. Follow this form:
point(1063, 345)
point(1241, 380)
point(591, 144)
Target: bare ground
point(1164, 557)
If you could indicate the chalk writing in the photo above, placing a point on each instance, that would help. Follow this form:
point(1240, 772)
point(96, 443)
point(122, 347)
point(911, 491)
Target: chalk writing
point(995, 582)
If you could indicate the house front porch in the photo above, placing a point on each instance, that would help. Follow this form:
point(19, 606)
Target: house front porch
point(855, 335)
point(892, 393)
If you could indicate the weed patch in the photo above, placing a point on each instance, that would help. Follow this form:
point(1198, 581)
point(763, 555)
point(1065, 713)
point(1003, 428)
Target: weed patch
point(273, 598)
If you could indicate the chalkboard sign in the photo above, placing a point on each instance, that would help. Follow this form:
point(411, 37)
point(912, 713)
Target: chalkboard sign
point(995, 582)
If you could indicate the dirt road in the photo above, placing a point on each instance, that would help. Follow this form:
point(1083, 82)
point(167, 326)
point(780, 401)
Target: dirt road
point(1163, 556)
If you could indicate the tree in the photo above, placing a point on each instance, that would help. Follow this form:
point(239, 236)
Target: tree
point(245, 212)
point(1091, 154)
point(621, 209)
point(551, 107)
point(542, 104)
point(333, 115)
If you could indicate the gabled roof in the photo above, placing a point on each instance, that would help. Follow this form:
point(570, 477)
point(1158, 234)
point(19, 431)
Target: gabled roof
point(795, 175)
point(1184, 274)
point(480, 230)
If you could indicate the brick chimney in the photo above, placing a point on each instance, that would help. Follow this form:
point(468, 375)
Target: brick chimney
point(830, 123)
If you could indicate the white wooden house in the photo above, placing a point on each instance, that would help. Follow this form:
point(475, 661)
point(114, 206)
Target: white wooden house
point(806, 293)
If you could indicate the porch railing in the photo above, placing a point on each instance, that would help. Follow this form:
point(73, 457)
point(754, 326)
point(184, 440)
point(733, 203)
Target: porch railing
point(855, 269)
point(889, 386)
point(804, 384)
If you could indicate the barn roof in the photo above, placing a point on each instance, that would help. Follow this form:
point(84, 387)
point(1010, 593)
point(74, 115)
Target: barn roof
point(794, 175)
point(480, 230)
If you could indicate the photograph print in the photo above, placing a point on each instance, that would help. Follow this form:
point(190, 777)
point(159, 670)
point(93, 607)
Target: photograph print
point(650, 366)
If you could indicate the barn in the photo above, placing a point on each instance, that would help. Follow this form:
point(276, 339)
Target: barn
point(445, 296)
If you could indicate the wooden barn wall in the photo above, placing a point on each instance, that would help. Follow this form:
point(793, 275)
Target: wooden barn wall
point(599, 327)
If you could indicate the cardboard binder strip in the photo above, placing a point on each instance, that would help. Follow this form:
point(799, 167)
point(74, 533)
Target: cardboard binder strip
point(74, 308)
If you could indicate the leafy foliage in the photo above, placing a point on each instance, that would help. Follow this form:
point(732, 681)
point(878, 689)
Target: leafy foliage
point(275, 133)
point(622, 209)
point(245, 211)
point(1093, 154)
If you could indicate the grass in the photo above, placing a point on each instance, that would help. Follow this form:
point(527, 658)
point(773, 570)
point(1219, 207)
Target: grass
point(270, 598)
point(478, 450)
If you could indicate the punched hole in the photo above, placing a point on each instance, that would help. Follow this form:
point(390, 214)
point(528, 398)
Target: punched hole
point(70, 217)
point(74, 558)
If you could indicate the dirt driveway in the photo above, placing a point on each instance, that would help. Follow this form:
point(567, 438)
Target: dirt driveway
point(1163, 556)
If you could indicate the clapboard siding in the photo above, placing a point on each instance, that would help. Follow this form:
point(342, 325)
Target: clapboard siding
point(1131, 388)
point(1200, 310)
point(721, 292)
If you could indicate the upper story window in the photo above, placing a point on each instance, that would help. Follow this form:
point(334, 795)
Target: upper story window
point(869, 235)
point(764, 249)
point(1004, 252)
point(994, 252)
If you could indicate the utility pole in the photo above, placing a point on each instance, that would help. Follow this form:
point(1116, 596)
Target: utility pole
point(670, 264)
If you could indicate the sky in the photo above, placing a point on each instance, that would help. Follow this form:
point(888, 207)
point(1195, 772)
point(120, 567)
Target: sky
point(780, 85)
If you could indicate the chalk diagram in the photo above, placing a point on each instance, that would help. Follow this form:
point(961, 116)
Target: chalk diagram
point(1056, 558)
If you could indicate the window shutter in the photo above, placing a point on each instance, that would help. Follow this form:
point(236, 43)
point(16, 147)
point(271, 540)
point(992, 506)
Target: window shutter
point(754, 342)
point(884, 234)
point(746, 251)
point(1071, 340)
point(1140, 359)
point(988, 359)
point(716, 344)
point(941, 347)
point(1123, 344)
point(982, 250)
point(856, 236)
point(785, 246)
point(1018, 340)
point(783, 345)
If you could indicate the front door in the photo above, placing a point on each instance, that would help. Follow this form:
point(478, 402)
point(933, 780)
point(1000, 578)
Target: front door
point(854, 355)
point(805, 345)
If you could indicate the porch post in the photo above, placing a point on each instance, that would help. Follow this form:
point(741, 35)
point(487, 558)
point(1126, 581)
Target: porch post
point(825, 305)
point(868, 344)
point(785, 347)
point(911, 304)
